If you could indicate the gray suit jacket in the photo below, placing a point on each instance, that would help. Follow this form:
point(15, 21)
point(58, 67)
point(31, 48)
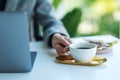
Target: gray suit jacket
point(41, 9)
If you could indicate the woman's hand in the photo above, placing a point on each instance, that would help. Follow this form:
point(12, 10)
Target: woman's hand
point(60, 42)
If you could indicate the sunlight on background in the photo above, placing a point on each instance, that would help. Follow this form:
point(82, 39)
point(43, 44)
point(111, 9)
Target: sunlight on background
point(94, 17)
point(86, 27)
point(116, 15)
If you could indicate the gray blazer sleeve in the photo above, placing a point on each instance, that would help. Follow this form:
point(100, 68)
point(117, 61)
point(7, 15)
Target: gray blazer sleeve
point(49, 23)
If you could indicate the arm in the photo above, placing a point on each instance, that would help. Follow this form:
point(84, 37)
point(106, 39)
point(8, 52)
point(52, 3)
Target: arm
point(51, 26)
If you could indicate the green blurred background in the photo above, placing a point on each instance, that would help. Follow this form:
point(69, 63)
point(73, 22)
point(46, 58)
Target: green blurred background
point(89, 17)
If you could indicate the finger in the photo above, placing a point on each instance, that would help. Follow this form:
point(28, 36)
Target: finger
point(68, 39)
point(66, 49)
point(64, 42)
point(59, 49)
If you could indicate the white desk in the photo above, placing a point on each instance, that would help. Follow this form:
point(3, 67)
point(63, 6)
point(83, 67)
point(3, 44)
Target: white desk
point(46, 69)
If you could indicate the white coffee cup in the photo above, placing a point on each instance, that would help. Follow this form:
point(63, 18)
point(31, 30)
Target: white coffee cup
point(83, 52)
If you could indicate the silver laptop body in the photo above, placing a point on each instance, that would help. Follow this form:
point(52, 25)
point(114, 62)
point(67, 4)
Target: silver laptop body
point(14, 43)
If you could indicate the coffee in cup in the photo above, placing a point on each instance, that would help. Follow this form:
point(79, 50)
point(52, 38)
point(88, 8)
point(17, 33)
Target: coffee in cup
point(83, 52)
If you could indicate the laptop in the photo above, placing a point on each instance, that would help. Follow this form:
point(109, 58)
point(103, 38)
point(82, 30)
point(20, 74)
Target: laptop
point(15, 55)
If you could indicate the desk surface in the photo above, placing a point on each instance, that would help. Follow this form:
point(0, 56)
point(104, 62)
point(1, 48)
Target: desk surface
point(45, 67)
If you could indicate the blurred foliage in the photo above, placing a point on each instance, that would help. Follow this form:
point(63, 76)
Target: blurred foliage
point(108, 25)
point(89, 2)
point(56, 3)
point(71, 21)
point(104, 7)
point(95, 12)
